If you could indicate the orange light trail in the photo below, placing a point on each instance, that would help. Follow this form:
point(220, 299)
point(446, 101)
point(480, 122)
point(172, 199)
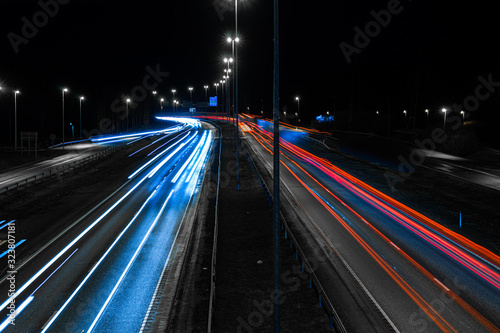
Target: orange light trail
point(453, 251)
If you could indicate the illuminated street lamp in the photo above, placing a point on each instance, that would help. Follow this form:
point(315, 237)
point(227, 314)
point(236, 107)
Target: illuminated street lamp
point(81, 99)
point(173, 93)
point(206, 92)
point(463, 115)
point(427, 113)
point(161, 103)
point(191, 93)
point(444, 122)
point(64, 90)
point(173, 97)
point(216, 85)
point(15, 117)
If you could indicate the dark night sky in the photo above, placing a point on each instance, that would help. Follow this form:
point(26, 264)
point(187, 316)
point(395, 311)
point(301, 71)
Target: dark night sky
point(429, 56)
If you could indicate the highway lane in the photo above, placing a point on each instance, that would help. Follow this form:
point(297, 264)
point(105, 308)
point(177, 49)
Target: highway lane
point(104, 270)
point(410, 270)
point(78, 151)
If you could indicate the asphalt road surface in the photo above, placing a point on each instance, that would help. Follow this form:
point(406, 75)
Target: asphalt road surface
point(418, 275)
point(101, 273)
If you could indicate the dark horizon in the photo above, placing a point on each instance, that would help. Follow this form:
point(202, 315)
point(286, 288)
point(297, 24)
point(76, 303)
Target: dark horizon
point(427, 56)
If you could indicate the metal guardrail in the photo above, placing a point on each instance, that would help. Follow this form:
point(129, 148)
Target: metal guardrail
point(324, 300)
point(61, 168)
point(321, 143)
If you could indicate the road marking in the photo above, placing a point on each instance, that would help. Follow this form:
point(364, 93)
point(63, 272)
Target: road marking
point(442, 285)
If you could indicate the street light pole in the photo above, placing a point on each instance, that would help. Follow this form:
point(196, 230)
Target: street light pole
point(236, 90)
point(63, 91)
point(191, 93)
point(444, 122)
point(173, 98)
point(15, 117)
point(81, 99)
point(206, 92)
point(298, 106)
point(216, 85)
point(128, 101)
point(276, 175)
point(427, 113)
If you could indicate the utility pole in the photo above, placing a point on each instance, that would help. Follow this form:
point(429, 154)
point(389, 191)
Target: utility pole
point(276, 174)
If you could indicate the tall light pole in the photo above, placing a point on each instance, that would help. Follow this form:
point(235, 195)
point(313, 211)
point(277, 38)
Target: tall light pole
point(444, 122)
point(15, 118)
point(463, 116)
point(276, 174)
point(298, 106)
point(128, 101)
point(81, 99)
point(206, 92)
point(237, 39)
point(173, 98)
point(216, 85)
point(191, 93)
point(228, 61)
point(65, 90)
point(161, 103)
point(427, 115)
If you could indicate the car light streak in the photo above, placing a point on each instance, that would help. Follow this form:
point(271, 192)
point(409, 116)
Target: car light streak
point(166, 159)
point(184, 166)
point(134, 140)
point(6, 224)
point(452, 295)
point(166, 143)
point(19, 309)
point(125, 271)
point(412, 293)
point(457, 247)
point(117, 140)
point(41, 284)
point(481, 319)
point(70, 245)
point(89, 274)
point(158, 155)
point(201, 159)
point(154, 142)
point(10, 249)
point(132, 135)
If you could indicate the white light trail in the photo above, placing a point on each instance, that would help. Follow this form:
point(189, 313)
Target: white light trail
point(139, 248)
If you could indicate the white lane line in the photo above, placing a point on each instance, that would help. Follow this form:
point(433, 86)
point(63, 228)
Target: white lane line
point(139, 248)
